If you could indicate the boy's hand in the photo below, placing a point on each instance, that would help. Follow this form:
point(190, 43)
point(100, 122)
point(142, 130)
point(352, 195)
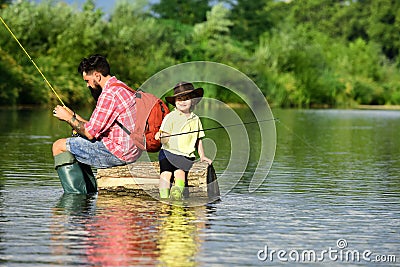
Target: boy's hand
point(205, 159)
point(157, 136)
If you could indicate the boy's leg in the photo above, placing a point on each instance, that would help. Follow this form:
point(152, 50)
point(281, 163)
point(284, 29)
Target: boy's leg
point(164, 185)
point(180, 179)
point(177, 189)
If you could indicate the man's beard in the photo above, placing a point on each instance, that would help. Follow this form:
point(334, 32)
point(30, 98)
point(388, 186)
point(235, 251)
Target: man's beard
point(96, 91)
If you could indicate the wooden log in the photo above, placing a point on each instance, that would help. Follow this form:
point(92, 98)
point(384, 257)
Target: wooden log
point(144, 176)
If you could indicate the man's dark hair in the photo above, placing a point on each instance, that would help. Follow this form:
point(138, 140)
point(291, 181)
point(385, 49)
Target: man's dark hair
point(94, 63)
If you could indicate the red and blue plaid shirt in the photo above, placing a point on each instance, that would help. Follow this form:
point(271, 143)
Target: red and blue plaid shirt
point(115, 104)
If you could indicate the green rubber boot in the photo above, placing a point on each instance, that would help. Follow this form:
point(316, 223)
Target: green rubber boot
point(75, 177)
point(177, 190)
point(164, 193)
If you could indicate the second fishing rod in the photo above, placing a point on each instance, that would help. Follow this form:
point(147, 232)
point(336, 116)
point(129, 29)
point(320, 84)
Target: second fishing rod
point(219, 127)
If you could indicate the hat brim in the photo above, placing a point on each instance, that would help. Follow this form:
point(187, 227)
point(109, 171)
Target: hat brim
point(196, 93)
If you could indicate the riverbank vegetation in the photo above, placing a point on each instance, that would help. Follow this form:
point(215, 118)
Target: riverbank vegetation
point(300, 53)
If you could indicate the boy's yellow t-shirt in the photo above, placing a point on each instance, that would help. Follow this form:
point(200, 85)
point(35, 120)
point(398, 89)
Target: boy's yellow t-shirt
point(176, 122)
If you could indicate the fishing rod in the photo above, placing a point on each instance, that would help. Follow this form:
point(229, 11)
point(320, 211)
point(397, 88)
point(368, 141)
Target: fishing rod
point(219, 127)
point(33, 62)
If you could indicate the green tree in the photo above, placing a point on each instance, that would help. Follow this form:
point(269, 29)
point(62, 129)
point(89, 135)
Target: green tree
point(384, 25)
point(252, 18)
point(212, 41)
point(216, 26)
point(184, 11)
point(136, 48)
point(4, 3)
point(56, 49)
point(300, 53)
point(15, 85)
point(83, 36)
point(371, 20)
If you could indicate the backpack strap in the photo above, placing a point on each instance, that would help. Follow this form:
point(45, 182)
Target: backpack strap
point(132, 90)
point(124, 86)
point(123, 127)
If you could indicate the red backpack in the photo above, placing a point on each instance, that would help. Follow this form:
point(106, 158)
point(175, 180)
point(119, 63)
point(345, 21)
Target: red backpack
point(150, 112)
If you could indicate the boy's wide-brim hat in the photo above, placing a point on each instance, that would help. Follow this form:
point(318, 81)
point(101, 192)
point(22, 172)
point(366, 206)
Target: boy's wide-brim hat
point(185, 89)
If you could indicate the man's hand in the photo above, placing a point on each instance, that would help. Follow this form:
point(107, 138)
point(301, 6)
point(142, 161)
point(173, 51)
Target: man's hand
point(63, 113)
point(76, 122)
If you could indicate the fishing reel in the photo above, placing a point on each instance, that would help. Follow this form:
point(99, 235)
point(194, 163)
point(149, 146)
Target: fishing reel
point(75, 133)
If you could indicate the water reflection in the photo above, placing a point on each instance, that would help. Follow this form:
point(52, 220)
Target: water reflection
point(335, 175)
point(69, 228)
point(105, 230)
point(122, 232)
point(179, 241)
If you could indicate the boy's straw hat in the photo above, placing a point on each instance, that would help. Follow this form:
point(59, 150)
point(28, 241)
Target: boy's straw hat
point(185, 89)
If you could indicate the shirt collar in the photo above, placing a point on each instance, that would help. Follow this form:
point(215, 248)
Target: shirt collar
point(192, 115)
point(110, 81)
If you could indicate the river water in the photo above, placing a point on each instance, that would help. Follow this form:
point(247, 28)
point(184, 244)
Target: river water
point(331, 197)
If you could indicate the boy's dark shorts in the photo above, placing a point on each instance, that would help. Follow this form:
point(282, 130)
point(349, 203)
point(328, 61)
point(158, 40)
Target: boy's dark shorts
point(171, 162)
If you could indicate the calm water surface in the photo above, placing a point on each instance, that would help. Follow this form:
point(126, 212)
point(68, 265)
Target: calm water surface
point(334, 189)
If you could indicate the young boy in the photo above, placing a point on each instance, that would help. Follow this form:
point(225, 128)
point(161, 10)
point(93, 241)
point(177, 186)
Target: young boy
point(177, 154)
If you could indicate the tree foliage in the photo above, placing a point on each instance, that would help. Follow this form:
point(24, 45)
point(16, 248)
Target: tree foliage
point(252, 18)
point(300, 53)
point(184, 11)
point(4, 3)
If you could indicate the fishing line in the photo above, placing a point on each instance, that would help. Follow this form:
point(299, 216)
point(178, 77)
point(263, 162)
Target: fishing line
point(33, 62)
point(219, 127)
point(302, 139)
